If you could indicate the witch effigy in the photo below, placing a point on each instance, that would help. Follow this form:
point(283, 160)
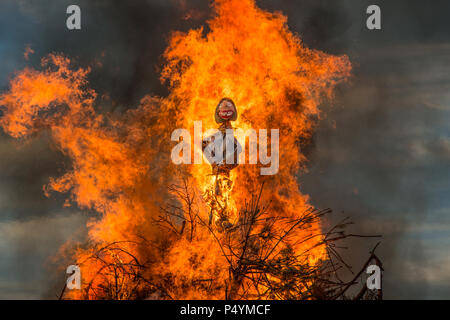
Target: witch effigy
point(222, 150)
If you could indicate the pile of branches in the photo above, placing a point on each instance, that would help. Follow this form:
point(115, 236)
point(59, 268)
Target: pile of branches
point(258, 250)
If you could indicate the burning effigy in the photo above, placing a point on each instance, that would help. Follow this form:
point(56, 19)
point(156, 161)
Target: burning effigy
point(160, 228)
point(218, 195)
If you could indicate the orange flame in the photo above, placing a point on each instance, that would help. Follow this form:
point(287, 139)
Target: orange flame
point(122, 167)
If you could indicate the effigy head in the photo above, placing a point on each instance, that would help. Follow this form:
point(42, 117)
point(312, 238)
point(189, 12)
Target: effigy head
point(225, 111)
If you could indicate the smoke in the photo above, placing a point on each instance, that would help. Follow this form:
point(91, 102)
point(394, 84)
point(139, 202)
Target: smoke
point(379, 153)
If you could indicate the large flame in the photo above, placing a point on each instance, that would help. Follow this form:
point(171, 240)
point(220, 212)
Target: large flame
point(121, 167)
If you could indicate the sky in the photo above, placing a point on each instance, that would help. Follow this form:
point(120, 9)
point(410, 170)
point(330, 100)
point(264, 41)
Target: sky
point(380, 154)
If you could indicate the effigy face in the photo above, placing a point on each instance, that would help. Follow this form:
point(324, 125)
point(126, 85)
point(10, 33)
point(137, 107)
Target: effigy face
point(226, 111)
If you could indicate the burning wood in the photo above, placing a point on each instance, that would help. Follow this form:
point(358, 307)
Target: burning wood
point(258, 258)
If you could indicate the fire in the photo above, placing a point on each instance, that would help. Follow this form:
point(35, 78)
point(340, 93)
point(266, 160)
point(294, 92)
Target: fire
point(121, 167)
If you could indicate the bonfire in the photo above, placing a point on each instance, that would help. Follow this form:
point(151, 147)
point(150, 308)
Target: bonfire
point(153, 236)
